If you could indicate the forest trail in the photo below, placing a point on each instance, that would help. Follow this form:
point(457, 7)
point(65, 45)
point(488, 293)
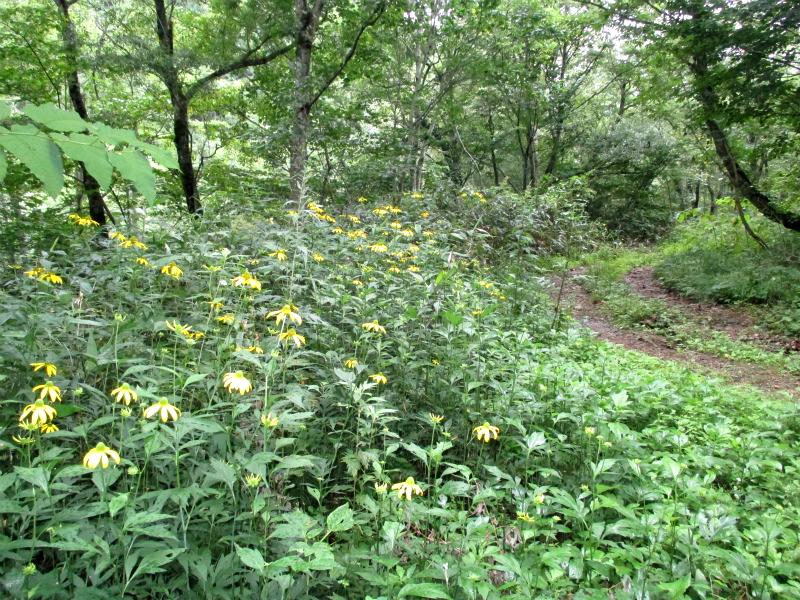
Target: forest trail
point(739, 325)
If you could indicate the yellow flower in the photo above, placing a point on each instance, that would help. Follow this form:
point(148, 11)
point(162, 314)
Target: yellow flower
point(407, 488)
point(23, 441)
point(379, 248)
point(357, 282)
point(269, 420)
point(125, 412)
point(83, 221)
point(407, 233)
point(124, 394)
point(351, 363)
point(164, 409)
point(38, 413)
point(318, 257)
point(226, 319)
point(49, 368)
point(357, 234)
point(141, 260)
point(435, 362)
point(48, 428)
point(116, 235)
point(252, 480)
point(379, 378)
point(435, 419)
point(48, 390)
point(424, 214)
point(287, 311)
point(413, 269)
point(246, 280)
point(290, 335)
point(255, 349)
point(133, 242)
point(590, 431)
point(374, 327)
point(361, 200)
point(172, 270)
point(51, 277)
point(184, 330)
point(381, 488)
point(216, 305)
point(486, 432)
point(279, 255)
point(538, 499)
point(396, 225)
point(236, 382)
point(99, 456)
point(523, 516)
point(337, 230)
point(380, 212)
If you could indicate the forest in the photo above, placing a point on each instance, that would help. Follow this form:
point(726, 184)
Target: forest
point(386, 299)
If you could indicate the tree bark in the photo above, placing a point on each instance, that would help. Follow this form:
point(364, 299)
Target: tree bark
point(91, 187)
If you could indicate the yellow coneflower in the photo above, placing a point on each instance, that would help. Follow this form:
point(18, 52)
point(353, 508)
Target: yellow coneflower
point(124, 394)
point(318, 257)
point(279, 255)
point(236, 382)
point(379, 378)
point(48, 428)
point(381, 488)
point(525, 517)
point(435, 419)
point(164, 409)
point(252, 480)
point(141, 260)
point(269, 420)
point(38, 413)
point(133, 242)
point(172, 270)
point(287, 311)
point(48, 390)
point(216, 305)
point(246, 279)
point(100, 455)
point(291, 336)
point(226, 319)
point(486, 432)
point(351, 363)
point(407, 488)
point(379, 248)
point(49, 368)
point(374, 327)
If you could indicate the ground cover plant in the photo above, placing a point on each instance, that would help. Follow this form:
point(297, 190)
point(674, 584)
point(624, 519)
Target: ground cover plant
point(336, 405)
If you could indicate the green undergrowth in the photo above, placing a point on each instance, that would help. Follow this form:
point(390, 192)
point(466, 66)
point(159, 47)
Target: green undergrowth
point(332, 404)
point(604, 279)
point(711, 258)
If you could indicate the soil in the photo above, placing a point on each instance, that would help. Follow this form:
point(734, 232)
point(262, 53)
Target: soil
point(587, 311)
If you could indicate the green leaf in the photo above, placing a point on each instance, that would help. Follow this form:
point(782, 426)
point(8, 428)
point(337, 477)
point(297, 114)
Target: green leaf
point(117, 503)
point(35, 476)
point(252, 558)
point(56, 118)
point(294, 461)
point(423, 590)
point(89, 151)
point(452, 317)
point(153, 561)
point(5, 110)
point(163, 157)
point(676, 589)
point(3, 166)
point(35, 150)
point(113, 136)
point(340, 519)
point(134, 167)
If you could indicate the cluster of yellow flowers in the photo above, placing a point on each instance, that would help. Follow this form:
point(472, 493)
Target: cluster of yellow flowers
point(246, 279)
point(184, 330)
point(320, 213)
point(172, 270)
point(127, 242)
point(83, 221)
point(44, 275)
point(288, 313)
point(38, 415)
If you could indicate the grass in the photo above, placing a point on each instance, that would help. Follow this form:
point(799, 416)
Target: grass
point(610, 473)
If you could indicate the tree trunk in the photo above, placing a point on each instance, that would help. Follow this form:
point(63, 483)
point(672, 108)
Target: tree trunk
point(493, 152)
point(97, 207)
point(736, 175)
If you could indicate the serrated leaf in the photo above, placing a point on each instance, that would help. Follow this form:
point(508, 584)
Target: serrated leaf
point(54, 117)
point(35, 476)
point(423, 590)
point(252, 558)
point(160, 155)
point(134, 167)
point(89, 151)
point(35, 150)
point(340, 519)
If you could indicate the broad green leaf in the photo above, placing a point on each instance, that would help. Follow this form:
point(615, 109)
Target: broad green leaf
point(36, 476)
point(452, 317)
point(423, 590)
point(117, 503)
point(56, 118)
point(5, 110)
point(295, 462)
point(134, 167)
point(35, 150)
point(154, 560)
point(676, 589)
point(160, 155)
point(89, 151)
point(340, 519)
point(252, 558)
point(113, 136)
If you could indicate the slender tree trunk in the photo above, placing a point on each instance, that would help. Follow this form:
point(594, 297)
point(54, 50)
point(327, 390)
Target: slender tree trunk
point(738, 178)
point(97, 207)
point(493, 152)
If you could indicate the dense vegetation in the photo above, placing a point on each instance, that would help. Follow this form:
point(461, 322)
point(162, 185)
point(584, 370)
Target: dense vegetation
point(277, 306)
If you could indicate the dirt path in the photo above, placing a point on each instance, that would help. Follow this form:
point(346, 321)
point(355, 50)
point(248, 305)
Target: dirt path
point(587, 311)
